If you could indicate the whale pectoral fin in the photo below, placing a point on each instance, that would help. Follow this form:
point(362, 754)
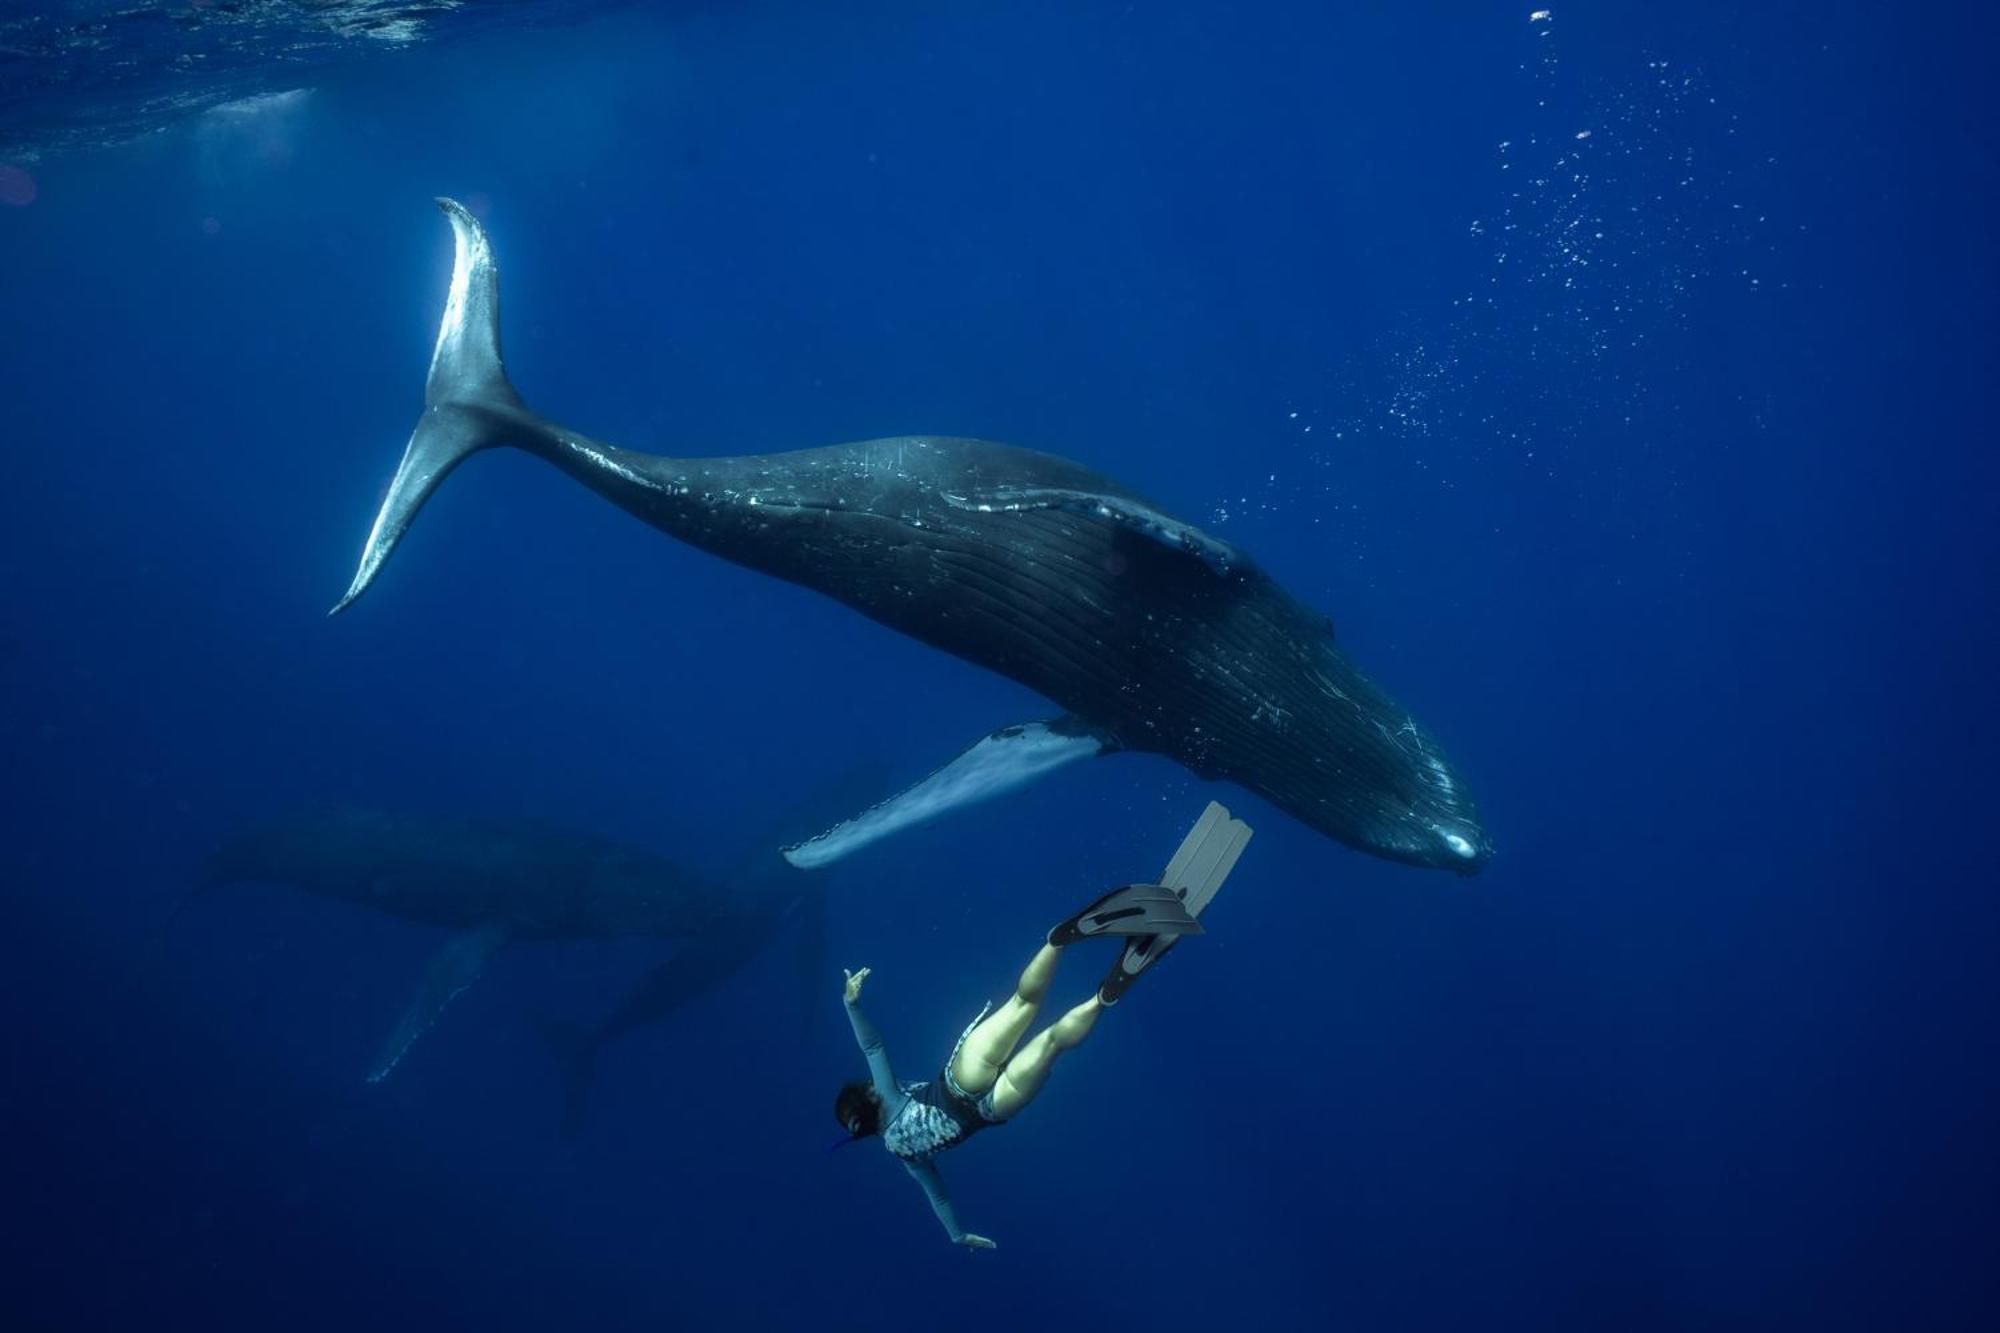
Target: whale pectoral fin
point(1173, 533)
point(1000, 762)
point(453, 968)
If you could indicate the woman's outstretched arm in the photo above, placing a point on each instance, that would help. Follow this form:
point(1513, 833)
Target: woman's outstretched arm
point(927, 1175)
point(870, 1042)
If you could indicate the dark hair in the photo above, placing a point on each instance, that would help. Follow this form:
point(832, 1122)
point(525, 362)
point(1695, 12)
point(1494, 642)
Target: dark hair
point(858, 1110)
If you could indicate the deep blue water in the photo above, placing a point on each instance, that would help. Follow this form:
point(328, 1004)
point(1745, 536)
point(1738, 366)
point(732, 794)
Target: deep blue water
point(1649, 465)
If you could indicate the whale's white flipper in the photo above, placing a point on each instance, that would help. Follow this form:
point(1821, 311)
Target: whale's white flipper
point(1002, 761)
point(1168, 531)
point(451, 970)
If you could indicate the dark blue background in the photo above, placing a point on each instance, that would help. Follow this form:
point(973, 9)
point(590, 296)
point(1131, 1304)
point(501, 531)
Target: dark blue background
point(1675, 524)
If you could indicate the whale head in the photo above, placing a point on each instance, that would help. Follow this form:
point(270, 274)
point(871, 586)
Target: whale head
point(1461, 845)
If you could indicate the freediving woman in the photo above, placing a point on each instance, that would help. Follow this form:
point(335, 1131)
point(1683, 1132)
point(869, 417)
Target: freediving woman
point(990, 1074)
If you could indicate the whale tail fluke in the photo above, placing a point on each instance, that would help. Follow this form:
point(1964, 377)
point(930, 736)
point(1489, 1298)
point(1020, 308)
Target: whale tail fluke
point(176, 907)
point(216, 871)
point(575, 1051)
point(469, 404)
point(219, 869)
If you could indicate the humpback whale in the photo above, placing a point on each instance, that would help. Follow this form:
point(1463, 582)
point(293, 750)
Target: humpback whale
point(766, 896)
point(737, 935)
point(494, 883)
point(1149, 633)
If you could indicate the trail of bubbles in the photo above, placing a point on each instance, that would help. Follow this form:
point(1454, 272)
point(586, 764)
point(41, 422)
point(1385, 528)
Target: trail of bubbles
point(1617, 199)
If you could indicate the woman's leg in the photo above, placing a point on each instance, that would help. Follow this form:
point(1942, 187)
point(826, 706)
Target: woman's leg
point(1023, 1076)
point(985, 1050)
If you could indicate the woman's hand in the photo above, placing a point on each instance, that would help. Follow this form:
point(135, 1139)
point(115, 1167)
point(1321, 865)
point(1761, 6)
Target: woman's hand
point(972, 1242)
point(853, 992)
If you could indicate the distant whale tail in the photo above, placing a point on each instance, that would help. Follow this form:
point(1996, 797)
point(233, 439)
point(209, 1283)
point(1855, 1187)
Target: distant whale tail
point(576, 1055)
point(469, 404)
point(214, 873)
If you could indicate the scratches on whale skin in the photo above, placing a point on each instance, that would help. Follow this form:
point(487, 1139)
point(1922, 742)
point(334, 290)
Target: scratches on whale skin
point(603, 458)
point(1279, 719)
point(796, 503)
point(1326, 686)
point(1140, 517)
